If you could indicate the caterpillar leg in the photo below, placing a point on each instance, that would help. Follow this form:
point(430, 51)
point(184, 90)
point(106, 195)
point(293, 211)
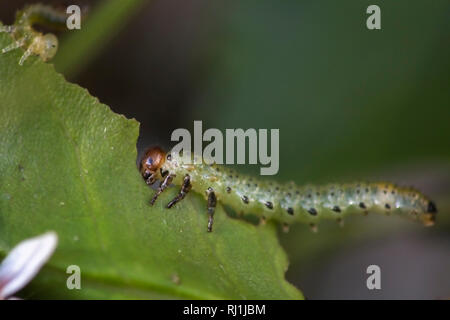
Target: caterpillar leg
point(25, 56)
point(150, 179)
point(212, 201)
point(262, 221)
point(15, 45)
point(185, 187)
point(167, 181)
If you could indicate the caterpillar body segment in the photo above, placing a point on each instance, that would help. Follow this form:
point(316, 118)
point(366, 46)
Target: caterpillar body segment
point(285, 203)
point(40, 13)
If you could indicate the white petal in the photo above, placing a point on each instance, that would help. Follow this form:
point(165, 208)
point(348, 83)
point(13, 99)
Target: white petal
point(24, 262)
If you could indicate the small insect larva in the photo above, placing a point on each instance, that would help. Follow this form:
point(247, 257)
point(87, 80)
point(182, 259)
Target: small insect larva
point(286, 204)
point(25, 36)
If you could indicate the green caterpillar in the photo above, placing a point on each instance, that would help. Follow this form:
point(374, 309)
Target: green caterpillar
point(25, 36)
point(284, 203)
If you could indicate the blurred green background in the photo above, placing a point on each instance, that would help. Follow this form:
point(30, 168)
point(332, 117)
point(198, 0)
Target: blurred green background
point(350, 103)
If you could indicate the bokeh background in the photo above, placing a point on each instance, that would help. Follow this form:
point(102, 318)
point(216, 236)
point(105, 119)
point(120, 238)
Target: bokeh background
point(350, 103)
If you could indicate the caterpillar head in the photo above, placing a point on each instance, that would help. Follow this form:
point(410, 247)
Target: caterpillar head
point(151, 162)
point(45, 46)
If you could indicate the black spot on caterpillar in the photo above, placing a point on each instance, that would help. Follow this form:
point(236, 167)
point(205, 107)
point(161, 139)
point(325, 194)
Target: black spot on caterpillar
point(25, 36)
point(271, 200)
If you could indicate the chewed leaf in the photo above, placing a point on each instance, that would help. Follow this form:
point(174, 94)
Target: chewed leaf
point(24, 262)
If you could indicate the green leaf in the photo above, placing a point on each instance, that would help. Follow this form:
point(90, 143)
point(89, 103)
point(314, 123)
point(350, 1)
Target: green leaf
point(68, 164)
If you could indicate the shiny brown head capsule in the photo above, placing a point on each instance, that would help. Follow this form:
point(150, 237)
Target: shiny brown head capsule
point(152, 160)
